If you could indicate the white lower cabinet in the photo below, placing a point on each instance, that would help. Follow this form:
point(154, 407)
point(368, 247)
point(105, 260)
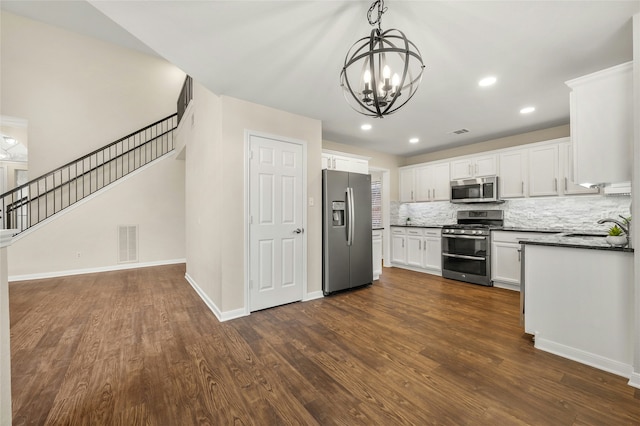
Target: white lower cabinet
point(418, 249)
point(376, 237)
point(506, 258)
point(398, 246)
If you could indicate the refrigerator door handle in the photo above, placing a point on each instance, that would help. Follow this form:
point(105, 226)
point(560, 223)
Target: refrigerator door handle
point(350, 216)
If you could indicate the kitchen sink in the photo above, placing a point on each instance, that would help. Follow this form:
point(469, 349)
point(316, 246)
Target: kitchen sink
point(584, 235)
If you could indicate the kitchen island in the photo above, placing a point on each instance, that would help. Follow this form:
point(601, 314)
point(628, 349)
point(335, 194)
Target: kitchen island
point(578, 300)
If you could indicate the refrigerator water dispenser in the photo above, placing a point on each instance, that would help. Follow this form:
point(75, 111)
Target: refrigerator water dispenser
point(338, 213)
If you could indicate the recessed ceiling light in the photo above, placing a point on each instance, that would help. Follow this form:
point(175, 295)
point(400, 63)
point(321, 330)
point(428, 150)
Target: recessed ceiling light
point(527, 110)
point(414, 140)
point(487, 81)
point(366, 127)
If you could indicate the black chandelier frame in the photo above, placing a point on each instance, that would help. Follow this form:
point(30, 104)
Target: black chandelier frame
point(378, 97)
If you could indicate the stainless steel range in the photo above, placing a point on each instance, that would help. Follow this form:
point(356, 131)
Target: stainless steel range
point(466, 246)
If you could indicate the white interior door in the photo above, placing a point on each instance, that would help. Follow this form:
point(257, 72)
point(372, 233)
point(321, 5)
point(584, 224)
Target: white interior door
point(276, 230)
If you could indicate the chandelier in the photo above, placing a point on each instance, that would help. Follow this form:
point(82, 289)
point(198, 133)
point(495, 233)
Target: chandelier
point(382, 71)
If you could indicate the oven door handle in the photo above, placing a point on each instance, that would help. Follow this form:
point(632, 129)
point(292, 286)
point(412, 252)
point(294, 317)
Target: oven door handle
point(460, 256)
point(466, 237)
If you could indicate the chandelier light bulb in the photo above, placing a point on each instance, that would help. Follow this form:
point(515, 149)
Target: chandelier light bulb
point(386, 72)
point(367, 76)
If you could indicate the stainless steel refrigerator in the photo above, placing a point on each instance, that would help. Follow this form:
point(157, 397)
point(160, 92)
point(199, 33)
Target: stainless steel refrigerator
point(346, 231)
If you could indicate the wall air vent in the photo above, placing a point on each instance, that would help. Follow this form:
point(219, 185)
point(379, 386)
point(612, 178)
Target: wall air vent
point(127, 243)
point(459, 131)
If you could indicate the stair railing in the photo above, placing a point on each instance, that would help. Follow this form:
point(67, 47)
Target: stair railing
point(29, 204)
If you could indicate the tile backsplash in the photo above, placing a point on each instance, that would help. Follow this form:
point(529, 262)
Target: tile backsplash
point(580, 212)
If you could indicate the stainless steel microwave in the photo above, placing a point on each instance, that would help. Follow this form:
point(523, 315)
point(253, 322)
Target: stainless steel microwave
point(479, 190)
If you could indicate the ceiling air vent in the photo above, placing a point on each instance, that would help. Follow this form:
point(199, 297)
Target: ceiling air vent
point(459, 131)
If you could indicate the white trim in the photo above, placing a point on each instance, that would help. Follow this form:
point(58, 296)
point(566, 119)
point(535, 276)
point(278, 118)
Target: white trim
point(346, 154)
point(584, 357)
point(222, 316)
point(6, 237)
point(7, 120)
point(313, 296)
point(247, 205)
point(120, 267)
point(634, 380)
point(386, 214)
point(92, 196)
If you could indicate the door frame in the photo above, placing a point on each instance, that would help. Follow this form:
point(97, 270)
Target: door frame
point(386, 214)
point(248, 134)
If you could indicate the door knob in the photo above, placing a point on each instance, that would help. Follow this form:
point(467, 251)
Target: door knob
point(298, 230)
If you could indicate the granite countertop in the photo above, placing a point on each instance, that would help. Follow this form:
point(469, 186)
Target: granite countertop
point(541, 230)
point(419, 226)
point(377, 229)
point(562, 240)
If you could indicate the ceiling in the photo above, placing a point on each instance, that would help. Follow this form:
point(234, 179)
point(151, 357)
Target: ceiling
point(288, 55)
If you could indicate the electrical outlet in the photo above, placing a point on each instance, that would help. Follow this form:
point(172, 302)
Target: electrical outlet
point(78, 254)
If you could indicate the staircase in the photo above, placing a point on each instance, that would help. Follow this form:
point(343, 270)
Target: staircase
point(39, 199)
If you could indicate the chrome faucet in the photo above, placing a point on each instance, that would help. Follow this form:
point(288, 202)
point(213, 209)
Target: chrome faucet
point(617, 222)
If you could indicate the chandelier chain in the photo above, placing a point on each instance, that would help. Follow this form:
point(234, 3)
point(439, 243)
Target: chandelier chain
point(381, 9)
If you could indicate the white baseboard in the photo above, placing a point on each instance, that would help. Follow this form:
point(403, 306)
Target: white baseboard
point(588, 358)
point(634, 380)
point(222, 316)
point(313, 295)
point(118, 267)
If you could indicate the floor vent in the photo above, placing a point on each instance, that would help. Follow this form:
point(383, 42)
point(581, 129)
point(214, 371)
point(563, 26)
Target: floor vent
point(127, 243)
point(460, 131)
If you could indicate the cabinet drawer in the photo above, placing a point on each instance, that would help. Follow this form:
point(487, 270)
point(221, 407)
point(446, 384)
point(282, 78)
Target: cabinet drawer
point(398, 231)
point(376, 234)
point(433, 232)
point(415, 232)
point(514, 237)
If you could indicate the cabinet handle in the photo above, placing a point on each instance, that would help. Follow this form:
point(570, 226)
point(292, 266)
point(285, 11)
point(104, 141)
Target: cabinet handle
point(565, 184)
point(519, 254)
point(403, 243)
point(419, 245)
point(522, 187)
point(334, 163)
point(555, 184)
point(412, 195)
point(428, 194)
point(476, 169)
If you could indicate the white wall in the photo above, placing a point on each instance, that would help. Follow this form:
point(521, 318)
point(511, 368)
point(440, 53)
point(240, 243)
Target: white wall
point(152, 198)
point(215, 193)
point(78, 93)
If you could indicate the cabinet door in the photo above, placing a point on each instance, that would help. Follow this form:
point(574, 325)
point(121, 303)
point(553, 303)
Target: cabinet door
point(342, 163)
point(414, 251)
point(513, 174)
point(440, 182)
point(398, 249)
point(407, 185)
point(485, 166)
point(423, 180)
point(433, 253)
point(566, 166)
point(376, 252)
point(505, 262)
point(461, 169)
point(326, 161)
point(359, 166)
point(543, 171)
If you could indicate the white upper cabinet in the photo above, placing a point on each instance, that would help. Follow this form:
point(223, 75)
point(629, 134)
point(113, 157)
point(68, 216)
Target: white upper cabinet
point(602, 125)
point(513, 176)
point(567, 184)
point(344, 162)
point(480, 166)
point(543, 171)
point(407, 185)
point(425, 183)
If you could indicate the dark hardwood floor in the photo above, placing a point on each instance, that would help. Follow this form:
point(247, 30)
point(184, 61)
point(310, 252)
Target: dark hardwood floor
point(139, 347)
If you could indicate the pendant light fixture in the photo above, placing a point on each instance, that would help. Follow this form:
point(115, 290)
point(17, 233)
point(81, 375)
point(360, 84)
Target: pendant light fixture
point(382, 71)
